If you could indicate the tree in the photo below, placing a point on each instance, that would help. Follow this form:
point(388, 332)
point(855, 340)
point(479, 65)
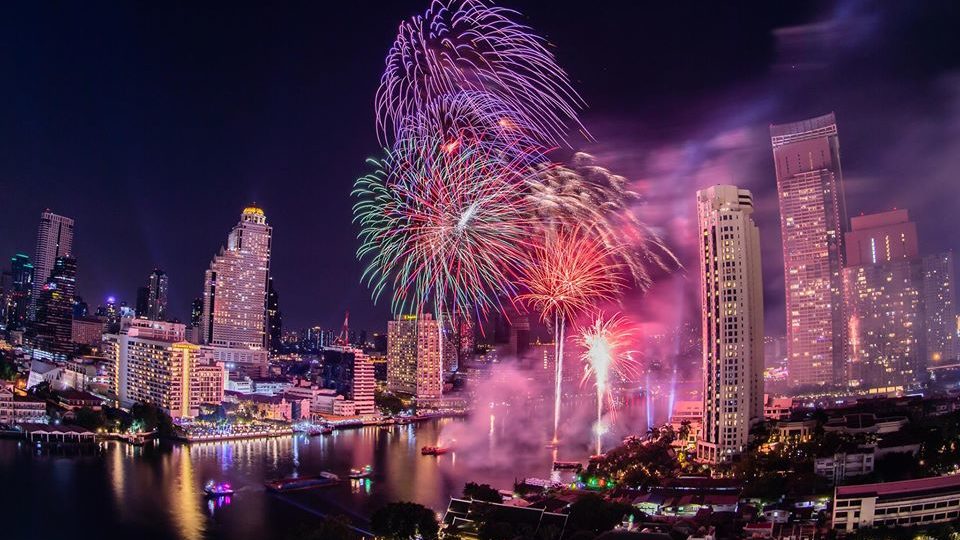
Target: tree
point(404, 521)
point(481, 492)
point(88, 418)
point(592, 513)
point(389, 403)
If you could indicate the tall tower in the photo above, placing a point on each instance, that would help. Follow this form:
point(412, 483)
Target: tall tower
point(54, 239)
point(157, 295)
point(402, 355)
point(806, 155)
point(731, 293)
point(235, 286)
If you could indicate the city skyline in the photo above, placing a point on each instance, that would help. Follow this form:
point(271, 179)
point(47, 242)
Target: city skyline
point(307, 207)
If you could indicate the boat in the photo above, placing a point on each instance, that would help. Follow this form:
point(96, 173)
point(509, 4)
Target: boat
point(303, 482)
point(567, 466)
point(213, 489)
point(434, 450)
point(319, 430)
point(363, 472)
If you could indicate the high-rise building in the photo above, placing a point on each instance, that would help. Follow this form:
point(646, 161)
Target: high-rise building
point(20, 291)
point(350, 372)
point(235, 286)
point(274, 319)
point(414, 364)
point(54, 239)
point(402, 355)
point(54, 318)
point(731, 294)
point(940, 309)
point(157, 295)
point(806, 155)
point(151, 363)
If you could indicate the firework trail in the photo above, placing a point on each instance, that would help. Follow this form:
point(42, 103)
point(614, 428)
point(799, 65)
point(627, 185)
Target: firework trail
point(443, 225)
point(585, 193)
point(604, 342)
point(461, 45)
point(566, 275)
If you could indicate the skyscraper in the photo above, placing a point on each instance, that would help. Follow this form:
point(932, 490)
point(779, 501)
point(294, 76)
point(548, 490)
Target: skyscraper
point(806, 155)
point(196, 312)
point(54, 239)
point(54, 321)
point(731, 293)
point(414, 364)
point(157, 295)
point(21, 291)
point(350, 372)
point(235, 286)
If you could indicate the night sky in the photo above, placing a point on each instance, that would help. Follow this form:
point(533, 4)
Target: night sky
point(154, 126)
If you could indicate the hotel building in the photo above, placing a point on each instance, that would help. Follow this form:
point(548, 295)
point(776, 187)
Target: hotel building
point(806, 156)
point(151, 363)
point(414, 364)
point(731, 294)
point(235, 286)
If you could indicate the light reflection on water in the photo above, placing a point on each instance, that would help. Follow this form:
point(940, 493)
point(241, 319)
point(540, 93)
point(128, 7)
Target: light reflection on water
point(128, 490)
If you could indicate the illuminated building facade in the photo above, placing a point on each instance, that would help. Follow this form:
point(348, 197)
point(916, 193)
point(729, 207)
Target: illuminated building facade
point(235, 286)
point(901, 305)
point(402, 355)
point(731, 294)
point(54, 239)
point(274, 319)
point(806, 156)
point(150, 363)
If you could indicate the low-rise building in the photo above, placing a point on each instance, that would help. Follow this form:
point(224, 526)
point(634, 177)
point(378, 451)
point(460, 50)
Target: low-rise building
point(897, 504)
point(88, 331)
point(17, 410)
point(262, 407)
point(777, 408)
point(846, 461)
point(864, 423)
point(793, 431)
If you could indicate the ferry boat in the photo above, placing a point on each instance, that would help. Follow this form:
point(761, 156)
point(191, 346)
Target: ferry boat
point(434, 450)
point(213, 489)
point(362, 472)
point(320, 430)
point(303, 482)
point(567, 466)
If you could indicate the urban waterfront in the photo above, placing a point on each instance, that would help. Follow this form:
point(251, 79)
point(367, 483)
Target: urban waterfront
point(156, 491)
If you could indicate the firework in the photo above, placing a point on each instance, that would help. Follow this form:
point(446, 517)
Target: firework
point(472, 118)
point(585, 193)
point(461, 45)
point(604, 344)
point(443, 225)
point(568, 274)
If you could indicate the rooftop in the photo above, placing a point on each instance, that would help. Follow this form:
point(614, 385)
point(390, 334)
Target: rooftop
point(900, 488)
